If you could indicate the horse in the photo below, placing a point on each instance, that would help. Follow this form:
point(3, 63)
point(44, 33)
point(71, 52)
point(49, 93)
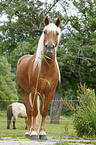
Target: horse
point(38, 75)
point(16, 110)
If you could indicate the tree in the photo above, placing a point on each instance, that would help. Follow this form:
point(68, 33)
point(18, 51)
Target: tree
point(25, 23)
point(77, 56)
point(7, 84)
point(56, 108)
point(25, 20)
point(77, 49)
point(24, 26)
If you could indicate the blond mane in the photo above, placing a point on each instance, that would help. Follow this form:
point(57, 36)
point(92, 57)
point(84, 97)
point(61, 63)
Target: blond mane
point(40, 49)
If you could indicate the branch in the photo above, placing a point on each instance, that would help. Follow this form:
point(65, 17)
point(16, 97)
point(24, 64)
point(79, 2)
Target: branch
point(86, 58)
point(44, 11)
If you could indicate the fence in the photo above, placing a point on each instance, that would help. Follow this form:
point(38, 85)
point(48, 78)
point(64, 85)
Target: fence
point(65, 123)
point(63, 128)
point(12, 101)
point(20, 101)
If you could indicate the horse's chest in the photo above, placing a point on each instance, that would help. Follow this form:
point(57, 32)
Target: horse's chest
point(47, 82)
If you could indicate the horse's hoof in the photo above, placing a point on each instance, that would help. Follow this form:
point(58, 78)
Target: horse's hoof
point(34, 137)
point(27, 136)
point(14, 128)
point(43, 137)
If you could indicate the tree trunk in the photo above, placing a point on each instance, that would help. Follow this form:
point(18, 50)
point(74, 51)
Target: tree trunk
point(56, 108)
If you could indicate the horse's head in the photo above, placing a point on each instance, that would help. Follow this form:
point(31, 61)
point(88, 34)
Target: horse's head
point(51, 35)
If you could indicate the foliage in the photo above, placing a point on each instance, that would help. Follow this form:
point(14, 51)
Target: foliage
point(77, 49)
point(85, 117)
point(77, 52)
point(68, 101)
point(25, 20)
point(23, 48)
point(24, 25)
point(85, 111)
point(7, 84)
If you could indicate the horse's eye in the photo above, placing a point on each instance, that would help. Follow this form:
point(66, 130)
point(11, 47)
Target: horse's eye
point(44, 32)
point(57, 33)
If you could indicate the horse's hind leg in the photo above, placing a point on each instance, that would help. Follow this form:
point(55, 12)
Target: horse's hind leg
point(9, 116)
point(8, 124)
point(26, 122)
point(14, 122)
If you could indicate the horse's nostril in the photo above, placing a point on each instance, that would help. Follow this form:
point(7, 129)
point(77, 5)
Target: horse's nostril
point(46, 46)
point(49, 46)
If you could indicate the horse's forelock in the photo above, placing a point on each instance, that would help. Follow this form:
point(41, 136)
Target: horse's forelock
point(52, 27)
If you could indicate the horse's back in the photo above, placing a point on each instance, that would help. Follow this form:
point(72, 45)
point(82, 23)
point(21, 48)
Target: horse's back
point(19, 110)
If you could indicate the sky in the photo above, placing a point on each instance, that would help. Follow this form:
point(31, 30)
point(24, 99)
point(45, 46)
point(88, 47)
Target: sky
point(70, 11)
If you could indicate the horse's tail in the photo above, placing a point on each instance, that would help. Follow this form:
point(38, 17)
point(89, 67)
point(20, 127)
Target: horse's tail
point(38, 116)
point(38, 106)
point(9, 116)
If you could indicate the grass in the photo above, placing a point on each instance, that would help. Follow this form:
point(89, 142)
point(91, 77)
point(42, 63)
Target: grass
point(63, 130)
point(76, 143)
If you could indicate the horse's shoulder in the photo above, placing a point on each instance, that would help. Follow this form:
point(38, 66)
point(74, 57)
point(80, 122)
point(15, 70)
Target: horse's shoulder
point(25, 58)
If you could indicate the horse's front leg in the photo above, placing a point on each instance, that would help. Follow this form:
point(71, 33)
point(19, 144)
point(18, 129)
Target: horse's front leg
point(34, 135)
point(45, 101)
point(26, 102)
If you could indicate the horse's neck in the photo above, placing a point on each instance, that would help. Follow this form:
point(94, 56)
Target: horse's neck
point(49, 60)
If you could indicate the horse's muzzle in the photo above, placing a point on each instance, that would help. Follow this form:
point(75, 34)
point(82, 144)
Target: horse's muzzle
point(49, 49)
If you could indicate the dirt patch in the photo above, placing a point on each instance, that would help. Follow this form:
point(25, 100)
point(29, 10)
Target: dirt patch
point(49, 141)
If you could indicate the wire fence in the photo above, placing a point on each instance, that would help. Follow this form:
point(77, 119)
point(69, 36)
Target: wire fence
point(21, 100)
point(63, 122)
point(4, 112)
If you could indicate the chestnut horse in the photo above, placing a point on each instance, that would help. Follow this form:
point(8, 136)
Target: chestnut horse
point(38, 75)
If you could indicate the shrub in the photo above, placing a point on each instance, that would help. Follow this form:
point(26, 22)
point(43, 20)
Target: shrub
point(85, 111)
point(85, 116)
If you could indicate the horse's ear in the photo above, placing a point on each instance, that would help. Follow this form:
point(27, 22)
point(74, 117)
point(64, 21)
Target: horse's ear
point(58, 22)
point(46, 21)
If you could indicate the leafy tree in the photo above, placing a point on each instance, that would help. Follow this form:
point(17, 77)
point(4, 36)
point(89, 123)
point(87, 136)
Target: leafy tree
point(23, 28)
point(25, 20)
point(77, 50)
point(7, 84)
point(77, 56)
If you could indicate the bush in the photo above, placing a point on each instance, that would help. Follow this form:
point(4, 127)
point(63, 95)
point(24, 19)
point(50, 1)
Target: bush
point(85, 115)
point(85, 111)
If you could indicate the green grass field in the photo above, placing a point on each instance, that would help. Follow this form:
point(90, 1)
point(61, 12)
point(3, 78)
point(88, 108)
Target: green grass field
point(64, 128)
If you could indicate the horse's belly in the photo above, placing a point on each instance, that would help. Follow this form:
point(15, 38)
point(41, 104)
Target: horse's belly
point(22, 112)
point(22, 115)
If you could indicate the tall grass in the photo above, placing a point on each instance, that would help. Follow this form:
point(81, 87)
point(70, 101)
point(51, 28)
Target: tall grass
point(85, 111)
